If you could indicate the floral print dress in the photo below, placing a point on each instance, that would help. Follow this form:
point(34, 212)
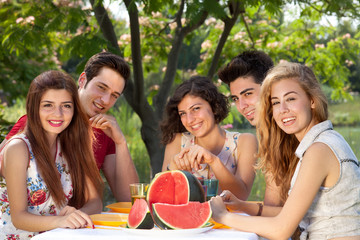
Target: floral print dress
point(39, 200)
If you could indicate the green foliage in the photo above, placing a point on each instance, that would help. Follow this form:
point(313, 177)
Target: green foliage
point(130, 125)
point(345, 112)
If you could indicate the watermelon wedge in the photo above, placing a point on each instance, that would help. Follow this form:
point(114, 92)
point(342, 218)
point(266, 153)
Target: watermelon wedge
point(174, 187)
point(139, 216)
point(183, 216)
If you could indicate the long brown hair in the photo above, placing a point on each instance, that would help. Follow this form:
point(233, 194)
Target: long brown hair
point(75, 140)
point(276, 148)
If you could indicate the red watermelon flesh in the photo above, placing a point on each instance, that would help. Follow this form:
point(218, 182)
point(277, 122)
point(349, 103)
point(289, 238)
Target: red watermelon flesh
point(139, 215)
point(169, 187)
point(174, 187)
point(183, 216)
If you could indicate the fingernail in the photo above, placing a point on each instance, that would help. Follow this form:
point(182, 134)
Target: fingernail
point(93, 226)
point(222, 194)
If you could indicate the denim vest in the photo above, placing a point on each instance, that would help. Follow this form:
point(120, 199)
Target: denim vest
point(335, 211)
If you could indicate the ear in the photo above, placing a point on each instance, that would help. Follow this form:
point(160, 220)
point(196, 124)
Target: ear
point(82, 80)
point(312, 102)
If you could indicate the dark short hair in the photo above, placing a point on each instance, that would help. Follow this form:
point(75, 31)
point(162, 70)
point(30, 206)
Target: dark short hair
point(198, 86)
point(109, 60)
point(249, 63)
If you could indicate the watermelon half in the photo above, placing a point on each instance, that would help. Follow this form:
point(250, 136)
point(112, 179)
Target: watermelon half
point(183, 216)
point(139, 216)
point(174, 187)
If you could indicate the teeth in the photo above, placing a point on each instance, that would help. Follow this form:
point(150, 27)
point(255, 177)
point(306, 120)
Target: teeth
point(98, 105)
point(288, 119)
point(196, 126)
point(249, 113)
point(56, 122)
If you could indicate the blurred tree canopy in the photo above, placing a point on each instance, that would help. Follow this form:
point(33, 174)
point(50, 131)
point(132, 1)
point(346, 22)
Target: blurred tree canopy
point(168, 41)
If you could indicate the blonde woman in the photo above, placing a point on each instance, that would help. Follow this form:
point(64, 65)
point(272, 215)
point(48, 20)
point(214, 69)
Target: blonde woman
point(318, 172)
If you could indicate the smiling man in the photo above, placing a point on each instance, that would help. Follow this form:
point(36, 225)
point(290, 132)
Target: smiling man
point(100, 85)
point(244, 75)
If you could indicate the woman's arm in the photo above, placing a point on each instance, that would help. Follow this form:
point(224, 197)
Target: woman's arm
point(16, 159)
point(171, 150)
point(319, 168)
point(241, 183)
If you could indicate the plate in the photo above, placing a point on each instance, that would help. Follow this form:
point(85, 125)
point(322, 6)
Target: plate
point(166, 233)
point(114, 219)
point(121, 207)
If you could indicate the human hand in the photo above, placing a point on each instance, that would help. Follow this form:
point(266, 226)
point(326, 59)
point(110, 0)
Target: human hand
point(231, 201)
point(197, 155)
point(75, 219)
point(181, 163)
point(110, 127)
point(66, 210)
point(218, 208)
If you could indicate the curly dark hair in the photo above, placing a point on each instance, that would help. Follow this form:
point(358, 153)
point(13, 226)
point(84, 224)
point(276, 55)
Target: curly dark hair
point(198, 86)
point(249, 63)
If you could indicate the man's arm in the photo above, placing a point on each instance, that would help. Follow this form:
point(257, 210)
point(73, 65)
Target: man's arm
point(118, 168)
point(120, 171)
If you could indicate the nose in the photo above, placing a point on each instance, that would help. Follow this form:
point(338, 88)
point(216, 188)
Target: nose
point(105, 99)
point(283, 107)
point(58, 111)
point(241, 104)
point(189, 117)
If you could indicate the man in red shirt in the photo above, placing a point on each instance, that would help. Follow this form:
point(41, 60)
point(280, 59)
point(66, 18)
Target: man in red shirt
point(102, 82)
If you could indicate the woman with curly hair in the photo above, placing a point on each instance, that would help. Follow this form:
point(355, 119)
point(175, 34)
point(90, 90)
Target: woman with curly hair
point(315, 167)
point(196, 142)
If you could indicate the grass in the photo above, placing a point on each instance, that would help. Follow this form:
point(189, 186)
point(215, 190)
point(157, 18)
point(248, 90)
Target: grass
point(345, 113)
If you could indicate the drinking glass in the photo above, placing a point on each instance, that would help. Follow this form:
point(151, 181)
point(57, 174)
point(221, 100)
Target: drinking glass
point(138, 191)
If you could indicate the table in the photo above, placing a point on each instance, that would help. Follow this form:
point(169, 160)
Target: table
point(98, 234)
point(111, 232)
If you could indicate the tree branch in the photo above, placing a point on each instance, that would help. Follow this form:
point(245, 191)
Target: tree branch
point(235, 8)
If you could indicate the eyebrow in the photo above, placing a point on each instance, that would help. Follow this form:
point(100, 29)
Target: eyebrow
point(286, 94)
point(48, 101)
point(119, 94)
point(190, 107)
point(246, 90)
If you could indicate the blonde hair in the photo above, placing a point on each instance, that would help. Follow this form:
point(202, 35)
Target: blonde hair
point(276, 148)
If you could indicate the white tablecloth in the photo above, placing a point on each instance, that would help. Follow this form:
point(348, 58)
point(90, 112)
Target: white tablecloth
point(98, 234)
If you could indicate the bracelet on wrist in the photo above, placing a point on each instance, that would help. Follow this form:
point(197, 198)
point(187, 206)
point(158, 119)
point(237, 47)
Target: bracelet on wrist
point(260, 209)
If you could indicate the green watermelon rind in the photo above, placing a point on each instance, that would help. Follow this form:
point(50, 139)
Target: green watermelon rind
point(162, 224)
point(196, 191)
point(146, 223)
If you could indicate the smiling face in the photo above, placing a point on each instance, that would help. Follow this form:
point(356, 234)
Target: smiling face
point(196, 115)
point(56, 110)
point(292, 108)
point(101, 92)
point(245, 94)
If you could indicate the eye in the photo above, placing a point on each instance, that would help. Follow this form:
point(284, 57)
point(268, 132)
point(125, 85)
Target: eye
point(196, 109)
point(181, 114)
point(248, 94)
point(274, 103)
point(69, 106)
point(115, 96)
point(101, 87)
point(291, 99)
point(234, 99)
point(47, 105)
